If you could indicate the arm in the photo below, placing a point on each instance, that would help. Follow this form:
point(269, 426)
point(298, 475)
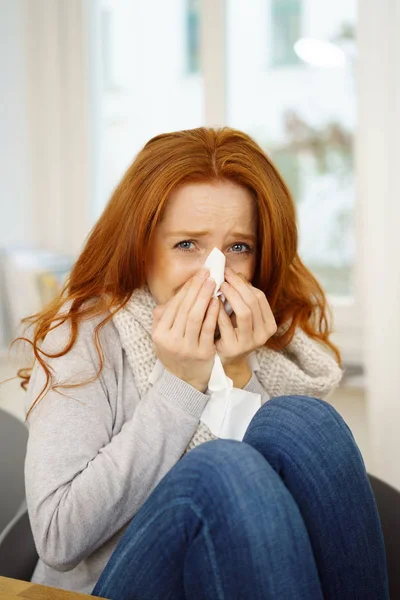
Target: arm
point(83, 483)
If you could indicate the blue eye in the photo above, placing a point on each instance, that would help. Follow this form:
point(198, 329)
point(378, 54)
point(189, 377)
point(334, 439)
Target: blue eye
point(185, 249)
point(241, 244)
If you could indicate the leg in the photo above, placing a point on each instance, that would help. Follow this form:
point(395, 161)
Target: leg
point(219, 525)
point(310, 446)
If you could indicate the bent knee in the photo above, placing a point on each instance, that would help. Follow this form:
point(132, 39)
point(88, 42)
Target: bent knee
point(302, 421)
point(299, 412)
point(220, 467)
point(222, 456)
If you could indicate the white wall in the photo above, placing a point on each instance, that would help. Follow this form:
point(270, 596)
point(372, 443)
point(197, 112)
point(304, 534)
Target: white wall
point(378, 150)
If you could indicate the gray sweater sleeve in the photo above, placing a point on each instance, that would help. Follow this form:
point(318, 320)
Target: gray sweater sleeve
point(84, 482)
point(254, 386)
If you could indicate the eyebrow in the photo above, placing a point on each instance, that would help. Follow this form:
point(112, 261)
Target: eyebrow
point(197, 234)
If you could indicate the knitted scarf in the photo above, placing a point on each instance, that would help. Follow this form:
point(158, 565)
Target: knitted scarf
point(304, 367)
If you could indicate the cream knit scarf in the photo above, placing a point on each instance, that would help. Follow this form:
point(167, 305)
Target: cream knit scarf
point(304, 367)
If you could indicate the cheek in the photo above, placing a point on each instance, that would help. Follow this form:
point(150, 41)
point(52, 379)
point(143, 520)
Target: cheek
point(244, 265)
point(166, 277)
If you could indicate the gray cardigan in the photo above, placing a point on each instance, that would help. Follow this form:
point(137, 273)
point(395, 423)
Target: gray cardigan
point(96, 452)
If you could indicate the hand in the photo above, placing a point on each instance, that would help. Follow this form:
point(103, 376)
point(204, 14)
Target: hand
point(183, 331)
point(250, 326)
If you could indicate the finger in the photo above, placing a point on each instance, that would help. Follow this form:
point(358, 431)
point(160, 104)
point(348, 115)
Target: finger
point(197, 313)
point(226, 328)
point(167, 320)
point(206, 338)
point(243, 312)
point(266, 310)
point(247, 292)
point(197, 283)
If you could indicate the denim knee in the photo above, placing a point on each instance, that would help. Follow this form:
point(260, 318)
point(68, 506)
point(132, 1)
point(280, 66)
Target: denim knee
point(301, 421)
point(303, 412)
point(220, 471)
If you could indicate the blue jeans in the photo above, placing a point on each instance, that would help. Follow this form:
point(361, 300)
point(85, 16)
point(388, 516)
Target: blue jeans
point(286, 514)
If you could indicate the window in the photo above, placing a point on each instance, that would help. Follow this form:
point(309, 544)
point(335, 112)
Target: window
point(304, 118)
point(285, 24)
point(141, 58)
point(288, 165)
point(193, 36)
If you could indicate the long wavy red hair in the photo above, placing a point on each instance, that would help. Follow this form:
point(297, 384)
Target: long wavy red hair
point(113, 261)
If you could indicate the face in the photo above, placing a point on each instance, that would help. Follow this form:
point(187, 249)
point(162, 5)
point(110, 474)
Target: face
point(198, 218)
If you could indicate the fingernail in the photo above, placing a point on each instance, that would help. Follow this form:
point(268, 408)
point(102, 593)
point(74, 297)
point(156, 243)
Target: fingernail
point(228, 271)
point(203, 273)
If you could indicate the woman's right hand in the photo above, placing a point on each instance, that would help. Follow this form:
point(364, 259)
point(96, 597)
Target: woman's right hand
point(183, 331)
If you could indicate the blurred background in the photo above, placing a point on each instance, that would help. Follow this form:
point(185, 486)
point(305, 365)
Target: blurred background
point(85, 83)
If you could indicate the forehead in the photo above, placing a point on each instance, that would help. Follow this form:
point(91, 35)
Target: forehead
point(211, 203)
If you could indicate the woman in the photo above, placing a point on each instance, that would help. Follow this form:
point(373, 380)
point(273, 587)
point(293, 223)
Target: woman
point(115, 499)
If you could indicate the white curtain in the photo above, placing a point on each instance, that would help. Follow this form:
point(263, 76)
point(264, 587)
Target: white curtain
point(58, 34)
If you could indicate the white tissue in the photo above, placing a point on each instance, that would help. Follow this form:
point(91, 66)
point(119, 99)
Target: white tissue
point(229, 410)
point(215, 262)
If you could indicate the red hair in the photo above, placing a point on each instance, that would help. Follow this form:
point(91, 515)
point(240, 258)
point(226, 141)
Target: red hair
point(113, 261)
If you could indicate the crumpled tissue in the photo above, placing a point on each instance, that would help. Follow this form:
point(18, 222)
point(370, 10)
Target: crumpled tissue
point(229, 410)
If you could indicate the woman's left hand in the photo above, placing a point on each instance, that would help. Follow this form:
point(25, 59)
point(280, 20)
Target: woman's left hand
point(255, 322)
